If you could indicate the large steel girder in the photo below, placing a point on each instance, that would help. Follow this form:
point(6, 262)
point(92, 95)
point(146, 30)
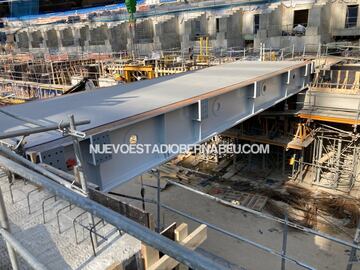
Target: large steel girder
point(188, 124)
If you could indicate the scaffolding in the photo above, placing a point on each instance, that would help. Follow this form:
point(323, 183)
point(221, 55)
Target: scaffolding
point(334, 159)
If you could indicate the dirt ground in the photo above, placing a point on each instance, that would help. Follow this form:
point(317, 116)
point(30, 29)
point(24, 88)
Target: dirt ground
point(312, 250)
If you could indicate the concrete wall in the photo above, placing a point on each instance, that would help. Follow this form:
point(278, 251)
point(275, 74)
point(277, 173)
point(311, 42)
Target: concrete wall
point(338, 18)
point(228, 34)
point(52, 40)
point(168, 33)
point(22, 41)
point(326, 21)
point(118, 37)
point(67, 37)
point(98, 35)
point(36, 39)
point(225, 28)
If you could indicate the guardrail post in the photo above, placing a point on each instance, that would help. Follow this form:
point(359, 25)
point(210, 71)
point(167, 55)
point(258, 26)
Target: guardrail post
point(80, 170)
point(4, 223)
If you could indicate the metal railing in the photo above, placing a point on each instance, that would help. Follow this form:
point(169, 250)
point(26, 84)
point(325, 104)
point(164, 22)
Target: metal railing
point(178, 252)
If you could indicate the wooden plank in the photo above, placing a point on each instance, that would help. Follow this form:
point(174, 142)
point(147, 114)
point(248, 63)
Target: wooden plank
point(169, 232)
point(181, 233)
point(150, 255)
point(326, 157)
point(115, 266)
point(192, 241)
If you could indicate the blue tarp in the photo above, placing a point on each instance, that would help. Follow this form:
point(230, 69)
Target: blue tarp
point(35, 16)
point(152, 12)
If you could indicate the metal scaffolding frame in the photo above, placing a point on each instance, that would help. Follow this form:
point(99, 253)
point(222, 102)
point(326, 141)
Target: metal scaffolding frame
point(334, 158)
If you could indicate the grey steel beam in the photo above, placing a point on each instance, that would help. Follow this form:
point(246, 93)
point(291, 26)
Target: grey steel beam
point(194, 123)
point(66, 183)
point(161, 243)
point(183, 109)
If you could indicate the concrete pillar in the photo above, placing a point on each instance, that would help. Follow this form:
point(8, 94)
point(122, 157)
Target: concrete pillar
point(234, 30)
point(106, 32)
point(67, 37)
point(191, 25)
point(158, 31)
point(130, 37)
point(184, 29)
point(30, 38)
point(84, 38)
point(76, 35)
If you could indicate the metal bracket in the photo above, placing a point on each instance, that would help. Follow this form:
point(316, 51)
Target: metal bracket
point(74, 133)
point(68, 131)
point(202, 110)
point(288, 77)
point(255, 90)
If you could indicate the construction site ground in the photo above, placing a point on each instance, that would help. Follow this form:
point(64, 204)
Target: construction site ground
point(312, 250)
point(60, 251)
